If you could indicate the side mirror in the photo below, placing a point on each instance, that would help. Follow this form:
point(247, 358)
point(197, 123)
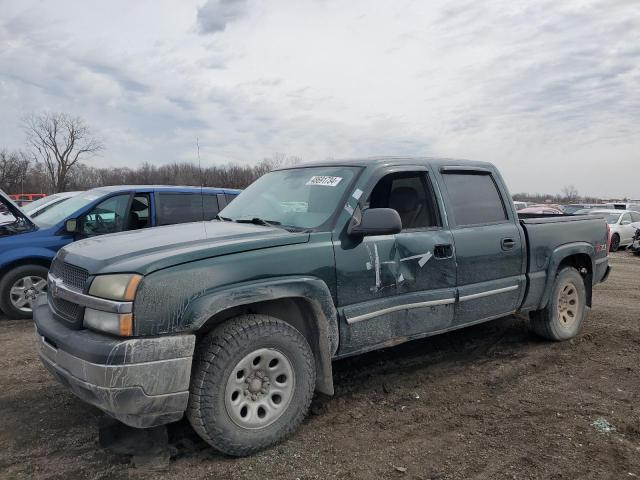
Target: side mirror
point(626, 222)
point(376, 221)
point(71, 225)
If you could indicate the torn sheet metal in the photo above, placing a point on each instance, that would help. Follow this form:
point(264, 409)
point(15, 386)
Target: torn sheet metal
point(423, 258)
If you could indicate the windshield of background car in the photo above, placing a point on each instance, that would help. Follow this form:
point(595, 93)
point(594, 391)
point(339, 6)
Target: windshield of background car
point(299, 198)
point(63, 210)
point(610, 218)
point(41, 201)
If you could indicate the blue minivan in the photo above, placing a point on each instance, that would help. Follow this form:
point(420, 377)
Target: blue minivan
point(27, 246)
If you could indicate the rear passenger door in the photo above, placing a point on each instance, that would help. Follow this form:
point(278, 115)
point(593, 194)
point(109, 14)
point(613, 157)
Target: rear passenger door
point(488, 243)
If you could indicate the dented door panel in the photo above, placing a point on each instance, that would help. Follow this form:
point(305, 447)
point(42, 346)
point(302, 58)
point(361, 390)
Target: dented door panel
point(394, 286)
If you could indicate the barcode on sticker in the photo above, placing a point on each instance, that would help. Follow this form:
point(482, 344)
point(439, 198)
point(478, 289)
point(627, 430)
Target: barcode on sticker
point(324, 180)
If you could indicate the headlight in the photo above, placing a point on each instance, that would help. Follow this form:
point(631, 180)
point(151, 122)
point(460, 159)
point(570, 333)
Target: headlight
point(120, 324)
point(119, 286)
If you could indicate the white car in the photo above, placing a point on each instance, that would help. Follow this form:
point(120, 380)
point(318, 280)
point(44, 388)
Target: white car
point(623, 225)
point(43, 204)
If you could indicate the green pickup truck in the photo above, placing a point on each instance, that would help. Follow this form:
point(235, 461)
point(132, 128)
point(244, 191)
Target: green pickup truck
point(235, 322)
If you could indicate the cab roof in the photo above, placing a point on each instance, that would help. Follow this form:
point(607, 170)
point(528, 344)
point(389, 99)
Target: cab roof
point(384, 161)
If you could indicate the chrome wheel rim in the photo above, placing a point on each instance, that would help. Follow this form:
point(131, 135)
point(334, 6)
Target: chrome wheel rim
point(568, 305)
point(259, 388)
point(25, 290)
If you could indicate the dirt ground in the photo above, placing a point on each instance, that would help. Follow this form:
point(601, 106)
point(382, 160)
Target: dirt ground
point(490, 401)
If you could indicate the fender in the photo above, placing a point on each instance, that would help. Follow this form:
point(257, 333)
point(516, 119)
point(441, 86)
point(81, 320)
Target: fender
point(23, 254)
point(313, 290)
point(557, 256)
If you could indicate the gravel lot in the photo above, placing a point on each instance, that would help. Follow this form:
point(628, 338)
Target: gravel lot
point(490, 401)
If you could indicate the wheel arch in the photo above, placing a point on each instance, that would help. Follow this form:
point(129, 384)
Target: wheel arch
point(303, 302)
point(22, 261)
point(577, 255)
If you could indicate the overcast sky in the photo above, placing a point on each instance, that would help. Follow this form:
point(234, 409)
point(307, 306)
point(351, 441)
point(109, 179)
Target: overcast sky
point(548, 90)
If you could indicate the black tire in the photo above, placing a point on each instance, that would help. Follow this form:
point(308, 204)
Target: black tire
point(8, 281)
point(615, 243)
point(561, 319)
point(216, 363)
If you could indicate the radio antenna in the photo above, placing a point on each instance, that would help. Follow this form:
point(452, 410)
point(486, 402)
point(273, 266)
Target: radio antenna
point(201, 177)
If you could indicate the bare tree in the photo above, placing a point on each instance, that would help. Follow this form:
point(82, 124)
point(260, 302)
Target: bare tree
point(59, 141)
point(13, 170)
point(570, 193)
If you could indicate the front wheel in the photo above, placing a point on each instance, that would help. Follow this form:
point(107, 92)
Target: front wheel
point(19, 288)
point(252, 384)
point(562, 318)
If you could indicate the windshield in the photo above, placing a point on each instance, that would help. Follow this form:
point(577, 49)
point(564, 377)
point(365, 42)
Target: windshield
point(41, 201)
point(610, 218)
point(62, 210)
point(299, 198)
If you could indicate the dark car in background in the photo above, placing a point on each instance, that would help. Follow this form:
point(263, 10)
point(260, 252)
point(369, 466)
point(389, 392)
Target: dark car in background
point(27, 245)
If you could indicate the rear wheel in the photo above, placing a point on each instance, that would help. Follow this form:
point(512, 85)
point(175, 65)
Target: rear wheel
point(19, 288)
point(615, 243)
point(252, 384)
point(563, 316)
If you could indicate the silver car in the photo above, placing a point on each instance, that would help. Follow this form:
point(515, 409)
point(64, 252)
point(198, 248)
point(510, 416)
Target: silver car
point(623, 225)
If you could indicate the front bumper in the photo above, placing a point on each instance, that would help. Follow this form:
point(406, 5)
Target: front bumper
point(143, 382)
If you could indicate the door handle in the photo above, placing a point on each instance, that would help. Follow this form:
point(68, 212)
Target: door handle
point(508, 243)
point(443, 251)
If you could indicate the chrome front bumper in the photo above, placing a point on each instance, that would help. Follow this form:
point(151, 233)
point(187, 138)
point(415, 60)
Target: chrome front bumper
point(143, 382)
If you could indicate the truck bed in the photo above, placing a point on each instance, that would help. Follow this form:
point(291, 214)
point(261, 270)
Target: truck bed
point(548, 234)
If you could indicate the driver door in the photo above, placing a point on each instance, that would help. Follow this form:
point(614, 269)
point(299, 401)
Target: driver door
point(395, 287)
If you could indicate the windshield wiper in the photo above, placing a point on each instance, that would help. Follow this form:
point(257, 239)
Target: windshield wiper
point(222, 219)
point(260, 221)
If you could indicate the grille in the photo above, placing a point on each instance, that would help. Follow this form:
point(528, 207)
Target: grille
point(71, 275)
point(67, 310)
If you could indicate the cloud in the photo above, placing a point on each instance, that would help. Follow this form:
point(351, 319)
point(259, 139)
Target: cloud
point(118, 76)
point(215, 15)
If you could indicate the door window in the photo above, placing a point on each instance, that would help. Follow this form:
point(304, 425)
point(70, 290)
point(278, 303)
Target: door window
point(139, 212)
point(626, 219)
point(474, 198)
point(411, 195)
point(230, 197)
point(635, 217)
point(109, 216)
point(186, 207)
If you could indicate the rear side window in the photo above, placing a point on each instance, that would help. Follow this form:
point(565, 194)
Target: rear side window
point(474, 198)
point(182, 208)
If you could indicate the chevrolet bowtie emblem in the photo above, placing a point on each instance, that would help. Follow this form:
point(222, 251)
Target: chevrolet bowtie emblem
point(54, 285)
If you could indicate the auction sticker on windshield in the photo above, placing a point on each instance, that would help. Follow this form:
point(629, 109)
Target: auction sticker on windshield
point(324, 180)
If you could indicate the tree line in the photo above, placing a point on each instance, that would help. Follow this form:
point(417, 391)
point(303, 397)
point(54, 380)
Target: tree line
point(58, 145)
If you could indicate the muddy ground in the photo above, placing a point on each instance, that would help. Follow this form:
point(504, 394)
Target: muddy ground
point(491, 401)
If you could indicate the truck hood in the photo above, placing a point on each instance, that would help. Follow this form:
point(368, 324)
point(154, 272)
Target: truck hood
point(144, 251)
